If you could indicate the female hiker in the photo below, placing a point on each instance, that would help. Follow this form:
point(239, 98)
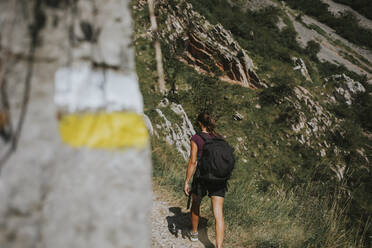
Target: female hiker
point(199, 188)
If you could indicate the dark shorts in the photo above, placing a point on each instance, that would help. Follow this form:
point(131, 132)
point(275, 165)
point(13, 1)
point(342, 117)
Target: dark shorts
point(208, 188)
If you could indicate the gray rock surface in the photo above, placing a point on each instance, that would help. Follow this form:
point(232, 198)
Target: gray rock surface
point(172, 132)
point(337, 8)
point(237, 116)
point(308, 128)
point(53, 195)
point(301, 66)
point(330, 51)
point(347, 89)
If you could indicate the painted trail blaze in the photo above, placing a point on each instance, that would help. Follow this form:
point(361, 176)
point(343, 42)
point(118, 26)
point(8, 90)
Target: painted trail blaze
point(100, 109)
point(104, 130)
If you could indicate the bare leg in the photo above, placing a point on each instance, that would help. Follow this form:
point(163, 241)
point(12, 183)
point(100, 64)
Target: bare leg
point(195, 210)
point(217, 205)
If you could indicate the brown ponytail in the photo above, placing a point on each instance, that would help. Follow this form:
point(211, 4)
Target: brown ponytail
point(207, 120)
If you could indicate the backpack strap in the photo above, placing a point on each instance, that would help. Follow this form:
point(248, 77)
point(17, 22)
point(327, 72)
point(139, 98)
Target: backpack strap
point(204, 136)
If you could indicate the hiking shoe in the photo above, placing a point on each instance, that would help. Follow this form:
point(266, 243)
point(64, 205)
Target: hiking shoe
point(194, 236)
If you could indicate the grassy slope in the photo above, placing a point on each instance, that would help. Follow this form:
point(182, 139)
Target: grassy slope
point(279, 193)
point(346, 25)
point(364, 7)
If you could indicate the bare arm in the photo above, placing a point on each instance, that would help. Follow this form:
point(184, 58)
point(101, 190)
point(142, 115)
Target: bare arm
point(191, 166)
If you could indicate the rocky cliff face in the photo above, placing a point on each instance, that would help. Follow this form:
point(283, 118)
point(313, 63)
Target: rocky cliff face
point(210, 49)
point(179, 131)
point(346, 89)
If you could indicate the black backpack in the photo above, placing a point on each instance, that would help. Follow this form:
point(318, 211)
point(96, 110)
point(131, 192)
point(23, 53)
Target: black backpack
point(217, 161)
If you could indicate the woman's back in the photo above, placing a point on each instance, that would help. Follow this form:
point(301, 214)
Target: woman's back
point(200, 142)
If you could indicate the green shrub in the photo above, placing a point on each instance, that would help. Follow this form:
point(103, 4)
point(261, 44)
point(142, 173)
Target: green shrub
point(312, 49)
point(327, 69)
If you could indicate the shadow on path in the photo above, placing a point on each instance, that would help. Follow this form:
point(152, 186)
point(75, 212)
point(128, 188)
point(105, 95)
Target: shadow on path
point(179, 224)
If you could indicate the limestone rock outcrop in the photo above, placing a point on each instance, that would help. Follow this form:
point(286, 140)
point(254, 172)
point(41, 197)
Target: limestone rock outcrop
point(210, 49)
point(308, 119)
point(177, 131)
point(346, 88)
point(300, 65)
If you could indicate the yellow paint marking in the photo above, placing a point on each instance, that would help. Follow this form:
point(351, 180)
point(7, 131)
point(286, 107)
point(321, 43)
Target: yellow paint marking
point(104, 130)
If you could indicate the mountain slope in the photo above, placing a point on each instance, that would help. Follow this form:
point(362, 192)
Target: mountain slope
point(362, 6)
point(302, 140)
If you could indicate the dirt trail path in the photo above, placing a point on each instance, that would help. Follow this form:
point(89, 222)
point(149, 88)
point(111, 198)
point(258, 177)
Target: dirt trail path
point(170, 226)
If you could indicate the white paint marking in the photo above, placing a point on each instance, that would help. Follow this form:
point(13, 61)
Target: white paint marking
point(84, 89)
